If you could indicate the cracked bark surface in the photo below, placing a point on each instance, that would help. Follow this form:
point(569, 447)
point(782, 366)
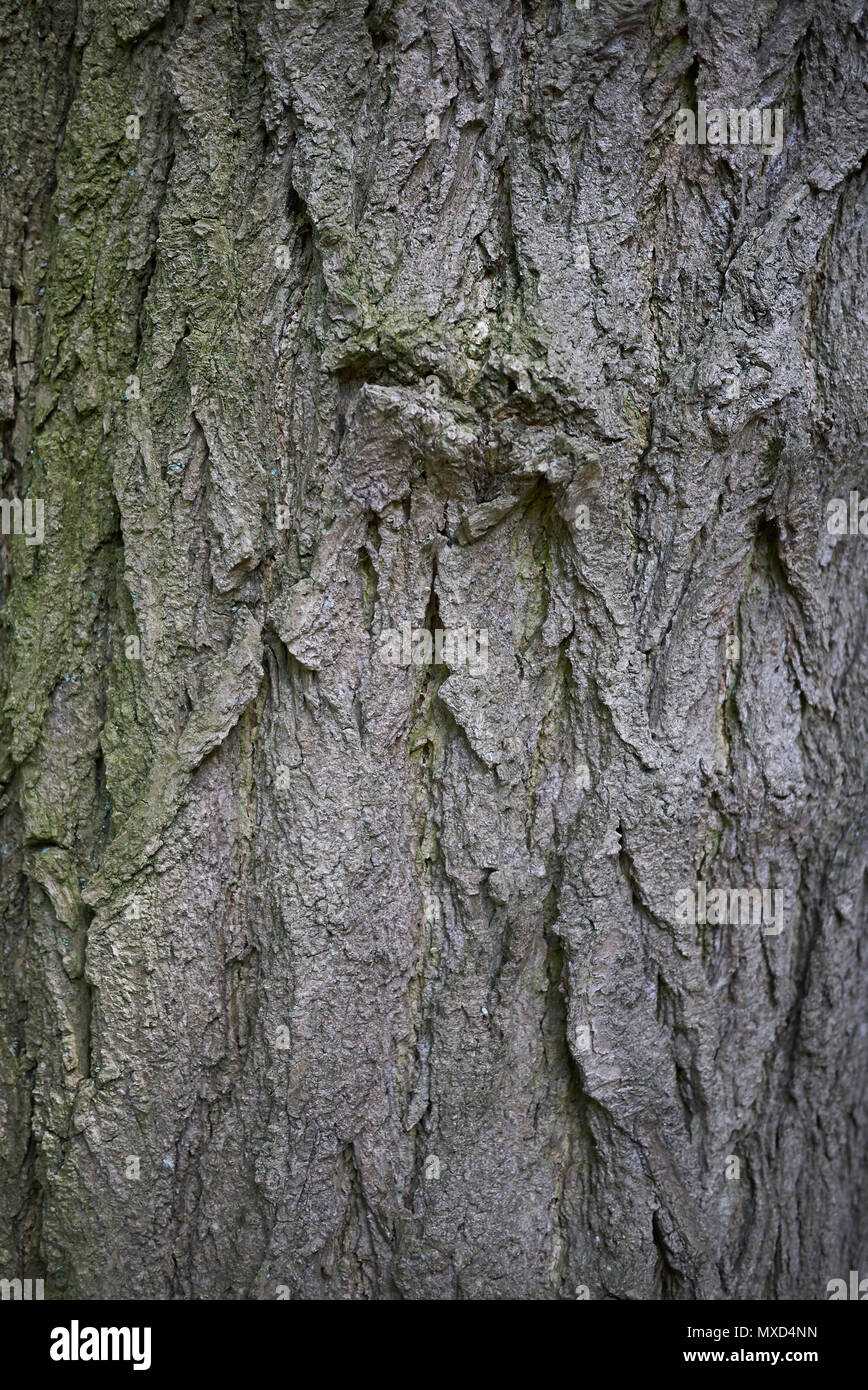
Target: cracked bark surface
point(282, 921)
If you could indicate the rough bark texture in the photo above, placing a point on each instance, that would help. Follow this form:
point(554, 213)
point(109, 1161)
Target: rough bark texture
point(282, 921)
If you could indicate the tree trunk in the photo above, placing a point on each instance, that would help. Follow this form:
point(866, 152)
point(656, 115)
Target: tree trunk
point(343, 962)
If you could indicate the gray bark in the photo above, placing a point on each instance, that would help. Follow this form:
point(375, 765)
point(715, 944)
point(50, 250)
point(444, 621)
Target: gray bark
point(283, 924)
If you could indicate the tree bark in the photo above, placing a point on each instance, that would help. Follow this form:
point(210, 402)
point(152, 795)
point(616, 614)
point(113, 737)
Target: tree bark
point(330, 976)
